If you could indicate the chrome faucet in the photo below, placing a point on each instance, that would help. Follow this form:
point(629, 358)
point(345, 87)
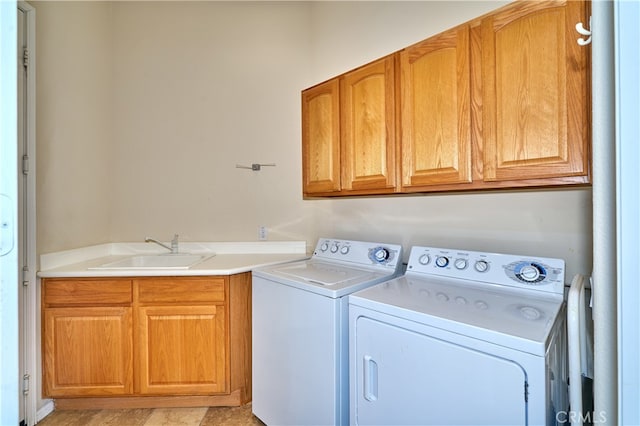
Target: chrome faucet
point(174, 243)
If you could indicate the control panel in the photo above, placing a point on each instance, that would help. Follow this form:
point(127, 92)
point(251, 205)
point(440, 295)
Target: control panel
point(544, 274)
point(388, 256)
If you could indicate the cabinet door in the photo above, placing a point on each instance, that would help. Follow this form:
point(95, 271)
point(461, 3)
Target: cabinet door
point(321, 139)
point(367, 127)
point(435, 110)
point(87, 351)
point(535, 92)
point(182, 350)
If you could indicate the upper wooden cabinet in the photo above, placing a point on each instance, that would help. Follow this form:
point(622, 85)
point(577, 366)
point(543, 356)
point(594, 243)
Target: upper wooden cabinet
point(435, 111)
point(367, 127)
point(502, 101)
point(321, 138)
point(348, 132)
point(535, 93)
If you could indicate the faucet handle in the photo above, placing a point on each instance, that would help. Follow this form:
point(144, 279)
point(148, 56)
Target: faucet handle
point(174, 243)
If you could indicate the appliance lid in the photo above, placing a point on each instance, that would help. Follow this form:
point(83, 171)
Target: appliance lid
point(508, 317)
point(323, 273)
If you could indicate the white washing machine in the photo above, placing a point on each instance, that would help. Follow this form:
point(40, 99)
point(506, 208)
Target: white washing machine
point(301, 330)
point(463, 338)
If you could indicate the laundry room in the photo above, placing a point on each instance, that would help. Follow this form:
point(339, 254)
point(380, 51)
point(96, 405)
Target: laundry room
point(163, 118)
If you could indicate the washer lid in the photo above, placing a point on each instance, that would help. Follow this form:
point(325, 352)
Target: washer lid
point(323, 273)
point(509, 317)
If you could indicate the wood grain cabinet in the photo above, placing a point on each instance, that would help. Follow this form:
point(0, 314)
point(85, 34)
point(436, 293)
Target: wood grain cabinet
point(501, 101)
point(138, 342)
point(535, 93)
point(182, 336)
point(348, 132)
point(87, 338)
point(436, 117)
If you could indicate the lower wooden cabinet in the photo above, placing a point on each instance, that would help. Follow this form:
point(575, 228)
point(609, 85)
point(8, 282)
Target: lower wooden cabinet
point(113, 341)
point(88, 351)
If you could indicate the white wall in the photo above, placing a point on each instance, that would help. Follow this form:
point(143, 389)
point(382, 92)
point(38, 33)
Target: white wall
point(182, 91)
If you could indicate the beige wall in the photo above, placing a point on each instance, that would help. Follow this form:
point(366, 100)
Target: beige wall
point(169, 97)
point(73, 123)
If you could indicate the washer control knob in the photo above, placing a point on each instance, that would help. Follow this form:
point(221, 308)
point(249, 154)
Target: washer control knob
point(442, 261)
point(334, 248)
point(379, 255)
point(481, 266)
point(460, 264)
point(424, 259)
point(344, 249)
point(324, 246)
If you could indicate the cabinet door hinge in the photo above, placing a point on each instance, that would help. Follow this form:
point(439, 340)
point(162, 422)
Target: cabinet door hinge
point(25, 275)
point(25, 384)
point(25, 164)
point(25, 58)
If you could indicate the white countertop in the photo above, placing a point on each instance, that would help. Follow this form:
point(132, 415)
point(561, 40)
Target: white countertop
point(230, 258)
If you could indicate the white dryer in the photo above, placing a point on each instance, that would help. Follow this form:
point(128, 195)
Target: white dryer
point(463, 338)
point(300, 334)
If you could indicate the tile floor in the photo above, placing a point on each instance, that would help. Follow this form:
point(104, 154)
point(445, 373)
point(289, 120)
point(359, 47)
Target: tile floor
point(203, 416)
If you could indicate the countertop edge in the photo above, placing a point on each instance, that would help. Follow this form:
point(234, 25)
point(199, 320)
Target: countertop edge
point(230, 259)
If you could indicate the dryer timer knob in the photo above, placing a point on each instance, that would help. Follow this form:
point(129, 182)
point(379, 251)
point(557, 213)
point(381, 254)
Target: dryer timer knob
point(379, 254)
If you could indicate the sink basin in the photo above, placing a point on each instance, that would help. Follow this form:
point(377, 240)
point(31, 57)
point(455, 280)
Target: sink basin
point(157, 261)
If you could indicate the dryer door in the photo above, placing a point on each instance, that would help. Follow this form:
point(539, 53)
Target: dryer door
point(404, 377)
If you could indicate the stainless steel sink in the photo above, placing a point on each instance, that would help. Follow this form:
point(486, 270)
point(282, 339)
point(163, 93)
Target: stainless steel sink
point(156, 261)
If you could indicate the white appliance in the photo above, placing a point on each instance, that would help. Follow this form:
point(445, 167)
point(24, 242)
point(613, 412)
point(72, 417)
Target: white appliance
point(464, 338)
point(301, 330)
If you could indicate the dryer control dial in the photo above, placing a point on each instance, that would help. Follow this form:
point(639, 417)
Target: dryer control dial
point(424, 259)
point(334, 248)
point(344, 250)
point(379, 255)
point(324, 247)
point(442, 261)
point(530, 272)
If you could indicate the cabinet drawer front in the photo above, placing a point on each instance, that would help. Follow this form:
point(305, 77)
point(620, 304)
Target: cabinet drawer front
point(180, 290)
point(86, 292)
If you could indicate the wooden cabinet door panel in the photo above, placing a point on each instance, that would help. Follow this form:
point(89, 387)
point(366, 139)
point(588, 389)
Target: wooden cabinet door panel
point(88, 351)
point(367, 112)
point(183, 350)
point(435, 110)
point(321, 138)
point(534, 92)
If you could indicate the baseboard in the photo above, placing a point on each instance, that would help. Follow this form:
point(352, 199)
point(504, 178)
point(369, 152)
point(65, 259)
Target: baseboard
point(45, 410)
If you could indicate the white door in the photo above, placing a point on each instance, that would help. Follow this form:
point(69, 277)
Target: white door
point(9, 390)
point(407, 378)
